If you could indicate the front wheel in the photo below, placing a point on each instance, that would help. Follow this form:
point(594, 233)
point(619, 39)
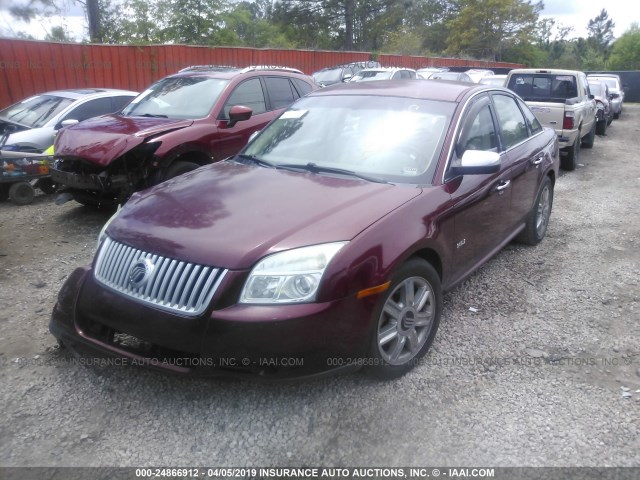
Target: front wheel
point(178, 168)
point(538, 219)
point(405, 321)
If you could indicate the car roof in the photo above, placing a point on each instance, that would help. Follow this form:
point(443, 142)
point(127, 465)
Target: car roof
point(227, 72)
point(78, 93)
point(552, 71)
point(432, 90)
point(385, 69)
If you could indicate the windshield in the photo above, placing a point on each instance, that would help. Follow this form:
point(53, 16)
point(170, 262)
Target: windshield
point(36, 111)
point(177, 97)
point(392, 138)
point(365, 76)
point(611, 82)
point(328, 76)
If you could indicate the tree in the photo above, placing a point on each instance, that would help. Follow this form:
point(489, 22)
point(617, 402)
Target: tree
point(601, 33)
point(625, 54)
point(58, 34)
point(484, 28)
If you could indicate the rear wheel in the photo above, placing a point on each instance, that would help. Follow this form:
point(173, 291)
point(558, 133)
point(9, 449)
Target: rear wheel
point(405, 321)
point(569, 161)
point(22, 193)
point(590, 138)
point(538, 219)
point(601, 127)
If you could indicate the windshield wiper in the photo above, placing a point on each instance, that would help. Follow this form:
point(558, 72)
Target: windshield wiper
point(152, 115)
point(256, 160)
point(315, 168)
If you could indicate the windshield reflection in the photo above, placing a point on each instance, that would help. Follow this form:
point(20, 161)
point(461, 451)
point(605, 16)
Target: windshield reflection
point(397, 139)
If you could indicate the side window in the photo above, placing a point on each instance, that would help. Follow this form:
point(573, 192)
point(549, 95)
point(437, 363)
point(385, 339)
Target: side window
point(512, 124)
point(248, 94)
point(533, 122)
point(118, 102)
point(480, 133)
point(280, 92)
point(302, 87)
point(90, 109)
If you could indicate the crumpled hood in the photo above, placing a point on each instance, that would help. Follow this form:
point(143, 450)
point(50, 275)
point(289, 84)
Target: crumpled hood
point(230, 215)
point(101, 140)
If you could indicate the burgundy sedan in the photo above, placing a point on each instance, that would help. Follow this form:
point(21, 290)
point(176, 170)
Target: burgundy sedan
point(326, 244)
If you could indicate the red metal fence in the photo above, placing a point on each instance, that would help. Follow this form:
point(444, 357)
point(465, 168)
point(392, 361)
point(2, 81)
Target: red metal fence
point(28, 67)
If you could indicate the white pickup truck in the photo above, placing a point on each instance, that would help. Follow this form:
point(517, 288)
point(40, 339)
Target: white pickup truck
point(559, 99)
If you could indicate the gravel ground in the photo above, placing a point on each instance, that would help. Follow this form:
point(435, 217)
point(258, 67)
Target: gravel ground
point(537, 360)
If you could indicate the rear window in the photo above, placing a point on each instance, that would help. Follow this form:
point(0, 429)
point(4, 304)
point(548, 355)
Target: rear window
point(544, 87)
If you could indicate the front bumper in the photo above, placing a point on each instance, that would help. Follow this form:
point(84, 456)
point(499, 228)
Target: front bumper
point(79, 181)
point(281, 341)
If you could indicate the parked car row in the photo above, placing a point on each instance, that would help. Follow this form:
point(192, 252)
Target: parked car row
point(577, 107)
point(289, 248)
point(260, 213)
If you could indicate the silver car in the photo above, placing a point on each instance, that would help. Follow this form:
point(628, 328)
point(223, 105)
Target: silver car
point(31, 125)
point(616, 90)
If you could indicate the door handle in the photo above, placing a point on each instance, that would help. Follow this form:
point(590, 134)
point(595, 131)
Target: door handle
point(538, 160)
point(502, 185)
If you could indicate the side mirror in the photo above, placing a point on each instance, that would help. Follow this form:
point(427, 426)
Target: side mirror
point(591, 97)
point(347, 77)
point(615, 95)
point(238, 113)
point(67, 123)
point(477, 162)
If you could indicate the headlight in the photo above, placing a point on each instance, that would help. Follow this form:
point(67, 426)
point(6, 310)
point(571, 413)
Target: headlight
point(292, 276)
point(102, 233)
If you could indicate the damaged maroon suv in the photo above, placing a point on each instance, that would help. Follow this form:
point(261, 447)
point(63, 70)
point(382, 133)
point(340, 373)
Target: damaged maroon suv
point(198, 116)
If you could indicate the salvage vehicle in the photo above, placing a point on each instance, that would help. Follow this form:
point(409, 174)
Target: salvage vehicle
point(616, 88)
point(326, 243)
point(560, 99)
point(31, 124)
point(604, 112)
point(200, 115)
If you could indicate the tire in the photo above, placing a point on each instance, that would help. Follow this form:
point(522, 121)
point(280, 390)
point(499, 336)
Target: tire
point(538, 218)
point(47, 185)
point(590, 138)
point(601, 127)
point(94, 201)
point(22, 193)
point(616, 116)
point(178, 168)
point(570, 161)
point(398, 338)
point(4, 191)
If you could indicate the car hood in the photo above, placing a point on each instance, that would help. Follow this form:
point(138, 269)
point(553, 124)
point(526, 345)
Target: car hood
point(101, 140)
point(230, 215)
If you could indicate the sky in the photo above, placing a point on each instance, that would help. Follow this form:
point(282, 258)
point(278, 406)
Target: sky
point(575, 13)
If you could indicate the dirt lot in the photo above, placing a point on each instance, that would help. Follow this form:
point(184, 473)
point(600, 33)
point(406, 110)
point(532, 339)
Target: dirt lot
point(544, 370)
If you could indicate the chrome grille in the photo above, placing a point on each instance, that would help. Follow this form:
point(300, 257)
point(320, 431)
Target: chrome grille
point(167, 284)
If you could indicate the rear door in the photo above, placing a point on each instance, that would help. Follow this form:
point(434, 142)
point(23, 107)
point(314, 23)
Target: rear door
point(522, 141)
